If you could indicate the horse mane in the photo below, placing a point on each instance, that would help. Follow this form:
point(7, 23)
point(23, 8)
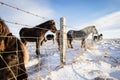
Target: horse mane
point(88, 28)
point(45, 24)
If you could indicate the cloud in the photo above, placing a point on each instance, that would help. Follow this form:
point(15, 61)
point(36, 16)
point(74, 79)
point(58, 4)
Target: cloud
point(109, 25)
point(109, 21)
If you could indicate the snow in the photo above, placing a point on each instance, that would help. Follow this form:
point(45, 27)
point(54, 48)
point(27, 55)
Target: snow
point(101, 59)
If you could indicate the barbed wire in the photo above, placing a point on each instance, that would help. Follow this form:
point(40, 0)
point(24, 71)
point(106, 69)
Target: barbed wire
point(2, 3)
point(15, 23)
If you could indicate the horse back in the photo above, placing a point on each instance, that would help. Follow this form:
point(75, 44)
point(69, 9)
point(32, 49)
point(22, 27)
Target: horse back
point(76, 34)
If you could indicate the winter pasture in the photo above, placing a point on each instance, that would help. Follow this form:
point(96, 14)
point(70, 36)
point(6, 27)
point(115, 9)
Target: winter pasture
point(101, 59)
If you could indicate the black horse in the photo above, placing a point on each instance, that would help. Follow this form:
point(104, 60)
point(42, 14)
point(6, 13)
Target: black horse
point(37, 33)
point(98, 38)
point(48, 37)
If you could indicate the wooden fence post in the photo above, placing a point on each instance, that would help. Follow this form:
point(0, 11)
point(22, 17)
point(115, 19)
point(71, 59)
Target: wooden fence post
point(62, 40)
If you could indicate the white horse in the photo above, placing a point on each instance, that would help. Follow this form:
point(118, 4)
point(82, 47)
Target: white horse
point(81, 35)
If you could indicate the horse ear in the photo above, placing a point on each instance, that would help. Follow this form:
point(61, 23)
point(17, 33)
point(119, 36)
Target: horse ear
point(94, 26)
point(52, 22)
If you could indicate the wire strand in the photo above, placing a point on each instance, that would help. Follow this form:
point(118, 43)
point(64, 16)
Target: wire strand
point(23, 10)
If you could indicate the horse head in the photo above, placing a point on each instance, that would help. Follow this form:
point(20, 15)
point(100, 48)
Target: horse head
point(94, 30)
point(52, 26)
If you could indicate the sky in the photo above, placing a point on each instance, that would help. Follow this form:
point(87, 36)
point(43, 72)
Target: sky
point(78, 14)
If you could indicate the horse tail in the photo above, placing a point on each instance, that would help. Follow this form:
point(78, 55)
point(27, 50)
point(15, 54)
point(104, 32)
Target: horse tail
point(21, 35)
point(25, 53)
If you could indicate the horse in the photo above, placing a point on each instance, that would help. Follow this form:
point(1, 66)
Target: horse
point(13, 56)
point(37, 33)
point(80, 34)
point(13, 59)
point(98, 38)
point(48, 37)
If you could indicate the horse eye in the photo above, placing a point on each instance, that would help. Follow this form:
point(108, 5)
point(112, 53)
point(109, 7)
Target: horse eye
point(13, 56)
point(53, 23)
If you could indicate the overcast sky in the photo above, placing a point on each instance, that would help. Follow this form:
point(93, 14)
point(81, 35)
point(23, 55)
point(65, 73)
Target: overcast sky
point(105, 14)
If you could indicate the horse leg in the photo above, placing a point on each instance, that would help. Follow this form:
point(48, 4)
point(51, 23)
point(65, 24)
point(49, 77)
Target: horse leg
point(58, 42)
point(53, 41)
point(23, 41)
point(69, 41)
point(37, 48)
point(83, 43)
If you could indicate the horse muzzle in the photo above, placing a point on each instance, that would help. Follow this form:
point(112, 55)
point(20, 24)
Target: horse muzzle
point(54, 31)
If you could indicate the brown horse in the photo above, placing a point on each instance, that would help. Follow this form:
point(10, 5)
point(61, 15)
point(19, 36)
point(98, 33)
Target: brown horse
point(37, 33)
point(12, 57)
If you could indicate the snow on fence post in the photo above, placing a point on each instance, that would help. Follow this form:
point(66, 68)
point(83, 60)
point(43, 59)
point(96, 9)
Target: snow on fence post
point(62, 40)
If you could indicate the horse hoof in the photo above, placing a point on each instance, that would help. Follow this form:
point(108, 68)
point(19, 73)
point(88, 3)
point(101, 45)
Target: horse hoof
point(37, 52)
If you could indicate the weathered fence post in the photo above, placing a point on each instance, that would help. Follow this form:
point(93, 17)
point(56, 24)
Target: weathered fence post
point(62, 40)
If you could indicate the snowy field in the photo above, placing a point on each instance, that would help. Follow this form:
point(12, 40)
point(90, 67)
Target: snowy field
point(101, 59)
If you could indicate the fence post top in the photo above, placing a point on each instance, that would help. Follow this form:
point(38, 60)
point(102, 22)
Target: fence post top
point(62, 18)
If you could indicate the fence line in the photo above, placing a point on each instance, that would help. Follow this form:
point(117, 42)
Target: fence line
point(63, 53)
point(17, 23)
point(23, 10)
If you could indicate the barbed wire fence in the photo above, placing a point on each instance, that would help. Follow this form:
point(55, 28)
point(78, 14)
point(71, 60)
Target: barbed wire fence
point(16, 23)
point(44, 49)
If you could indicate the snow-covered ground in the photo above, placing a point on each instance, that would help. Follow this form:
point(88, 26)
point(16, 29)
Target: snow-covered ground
point(101, 59)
